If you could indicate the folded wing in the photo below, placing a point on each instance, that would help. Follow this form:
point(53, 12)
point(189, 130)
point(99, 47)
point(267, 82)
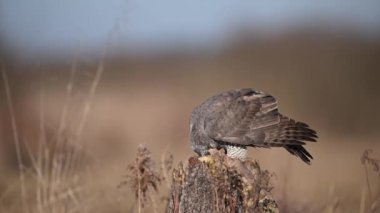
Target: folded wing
point(251, 118)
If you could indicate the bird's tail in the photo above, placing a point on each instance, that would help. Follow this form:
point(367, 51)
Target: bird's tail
point(293, 135)
point(299, 151)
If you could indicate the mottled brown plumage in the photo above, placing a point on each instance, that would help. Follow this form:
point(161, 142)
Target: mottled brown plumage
point(247, 117)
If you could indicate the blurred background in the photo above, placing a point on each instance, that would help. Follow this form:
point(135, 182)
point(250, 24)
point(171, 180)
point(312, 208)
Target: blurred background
point(105, 76)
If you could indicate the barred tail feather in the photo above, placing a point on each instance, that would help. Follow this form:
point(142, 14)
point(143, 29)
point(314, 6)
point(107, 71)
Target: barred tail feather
point(292, 131)
point(300, 152)
point(293, 135)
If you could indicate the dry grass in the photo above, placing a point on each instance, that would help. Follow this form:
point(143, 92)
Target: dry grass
point(142, 178)
point(371, 163)
point(15, 138)
point(54, 181)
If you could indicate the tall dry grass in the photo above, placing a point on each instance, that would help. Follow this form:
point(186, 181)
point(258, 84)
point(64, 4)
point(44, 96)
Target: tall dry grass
point(54, 182)
point(371, 166)
point(15, 138)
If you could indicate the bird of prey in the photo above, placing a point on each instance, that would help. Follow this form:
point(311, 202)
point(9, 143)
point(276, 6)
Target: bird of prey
point(237, 119)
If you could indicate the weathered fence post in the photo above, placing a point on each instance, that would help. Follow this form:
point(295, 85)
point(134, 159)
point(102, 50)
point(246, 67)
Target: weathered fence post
point(217, 183)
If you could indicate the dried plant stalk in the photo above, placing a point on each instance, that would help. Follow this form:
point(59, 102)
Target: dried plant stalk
point(142, 177)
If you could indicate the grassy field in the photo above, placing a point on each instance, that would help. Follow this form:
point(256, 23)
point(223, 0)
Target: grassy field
point(71, 128)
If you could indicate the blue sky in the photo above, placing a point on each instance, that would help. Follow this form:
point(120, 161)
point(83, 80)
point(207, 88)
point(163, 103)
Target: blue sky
point(35, 26)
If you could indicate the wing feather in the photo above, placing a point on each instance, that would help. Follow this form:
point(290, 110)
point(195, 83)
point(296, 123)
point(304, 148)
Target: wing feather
point(242, 119)
point(250, 118)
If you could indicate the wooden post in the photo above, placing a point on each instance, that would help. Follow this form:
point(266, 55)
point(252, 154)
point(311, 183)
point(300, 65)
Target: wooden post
point(217, 183)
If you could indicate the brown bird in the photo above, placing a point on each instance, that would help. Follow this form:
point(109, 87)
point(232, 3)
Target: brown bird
point(237, 119)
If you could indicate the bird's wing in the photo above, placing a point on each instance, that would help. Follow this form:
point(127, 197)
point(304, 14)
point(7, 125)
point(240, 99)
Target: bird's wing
point(251, 118)
point(242, 118)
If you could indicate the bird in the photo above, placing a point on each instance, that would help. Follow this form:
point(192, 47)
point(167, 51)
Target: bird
point(237, 119)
